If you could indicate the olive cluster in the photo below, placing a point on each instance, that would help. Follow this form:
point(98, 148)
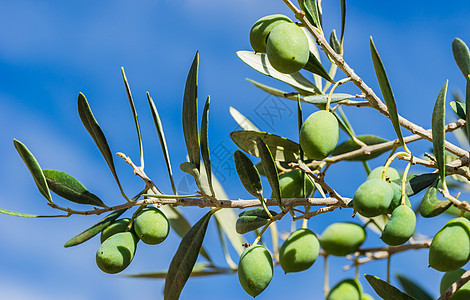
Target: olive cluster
point(119, 240)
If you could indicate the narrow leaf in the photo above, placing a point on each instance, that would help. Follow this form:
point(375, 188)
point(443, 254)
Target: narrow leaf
point(161, 137)
point(417, 183)
point(412, 288)
point(351, 145)
point(34, 169)
point(18, 214)
point(334, 43)
point(94, 129)
point(248, 174)
point(223, 244)
point(461, 56)
point(459, 109)
point(252, 219)
point(343, 19)
point(185, 257)
point(134, 114)
point(385, 290)
point(190, 122)
point(386, 91)
point(430, 206)
point(270, 169)
point(205, 143)
point(199, 270)
point(281, 148)
point(260, 63)
point(314, 65)
point(312, 12)
point(70, 188)
point(438, 130)
point(467, 106)
point(241, 120)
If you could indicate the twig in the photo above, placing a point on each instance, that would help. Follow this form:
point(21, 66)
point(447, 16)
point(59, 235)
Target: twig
point(455, 286)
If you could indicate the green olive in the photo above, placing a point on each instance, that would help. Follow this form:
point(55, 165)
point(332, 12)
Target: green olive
point(261, 29)
point(116, 252)
point(396, 200)
point(340, 239)
point(449, 278)
point(400, 227)
point(373, 198)
point(255, 270)
point(319, 134)
point(151, 226)
point(349, 289)
point(391, 173)
point(450, 247)
point(290, 184)
point(287, 48)
point(117, 226)
point(299, 251)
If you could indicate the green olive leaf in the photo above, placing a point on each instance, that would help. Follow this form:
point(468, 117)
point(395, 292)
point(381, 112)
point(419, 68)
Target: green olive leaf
point(260, 63)
point(438, 130)
point(270, 169)
point(185, 257)
point(94, 129)
point(412, 288)
point(190, 121)
point(351, 145)
point(34, 168)
point(70, 188)
point(161, 137)
point(199, 270)
point(459, 109)
point(314, 65)
point(252, 219)
point(467, 106)
point(241, 120)
point(417, 183)
point(205, 143)
point(386, 91)
point(430, 206)
point(134, 114)
point(312, 11)
point(334, 43)
point(248, 174)
point(281, 148)
point(461, 56)
point(343, 19)
point(18, 214)
point(385, 290)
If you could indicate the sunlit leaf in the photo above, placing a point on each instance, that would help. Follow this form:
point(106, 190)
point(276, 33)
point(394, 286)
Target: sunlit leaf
point(18, 214)
point(241, 120)
point(385, 290)
point(312, 11)
point(351, 145)
point(438, 130)
point(199, 270)
point(412, 288)
point(461, 56)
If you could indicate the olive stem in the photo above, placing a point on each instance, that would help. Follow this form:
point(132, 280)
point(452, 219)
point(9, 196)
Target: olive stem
point(273, 219)
point(455, 286)
point(389, 161)
point(333, 88)
point(403, 181)
point(326, 284)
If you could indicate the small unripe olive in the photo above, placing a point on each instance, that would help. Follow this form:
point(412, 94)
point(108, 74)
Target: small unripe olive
point(299, 251)
point(341, 239)
point(116, 252)
point(290, 184)
point(117, 226)
point(287, 48)
point(449, 278)
point(151, 226)
point(255, 270)
point(319, 134)
point(373, 198)
point(391, 173)
point(400, 227)
point(261, 29)
point(450, 247)
point(349, 289)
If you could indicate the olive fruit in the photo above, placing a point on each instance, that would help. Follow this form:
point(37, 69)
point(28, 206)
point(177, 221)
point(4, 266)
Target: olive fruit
point(373, 198)
point(151, 226)
point(348, 289)
point(290, 184)
point(261, 29)
point(400, 227)
point(450, 247)
point(391, 173)
point(255, 269)
point(396, 200)
point(116, 252)
point(340, 239)
point(299, 251)
point(319, 134)
point(287, 48)
point(366, 297)
point(117, 226)
point(449, 278)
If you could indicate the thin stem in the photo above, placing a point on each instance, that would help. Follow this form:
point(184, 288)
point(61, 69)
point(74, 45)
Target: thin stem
point(326, 284)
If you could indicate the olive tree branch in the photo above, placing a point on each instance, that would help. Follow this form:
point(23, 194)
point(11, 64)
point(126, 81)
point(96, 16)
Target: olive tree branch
point(455, 286)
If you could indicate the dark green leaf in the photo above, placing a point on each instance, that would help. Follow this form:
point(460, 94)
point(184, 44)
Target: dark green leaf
point(314, 65)
point(459, 109)
point(386, 91)
point(430, 206)
point(134, 114)
point(190, 122)
point(161, 137)
point(252, 219)
point(185, 257)
point(461, 56)
point(241, 120)
point(385, 290)
point(94, 129)
point(260, 63)
point(248, 174)
point(438, 130)
point(350, 145)
point(34, 169)
point(18, 214)
point(70, 188)
point(270, 169)
point(199, 270)
point(343, 19)
point(334, 43)
point(312, 12)
point(95, 229)
point(417, 183)
point(205, 143)
point(281, 148)
point(413, 289)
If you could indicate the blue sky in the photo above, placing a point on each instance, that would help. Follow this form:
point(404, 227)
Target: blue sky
point(50, 51)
